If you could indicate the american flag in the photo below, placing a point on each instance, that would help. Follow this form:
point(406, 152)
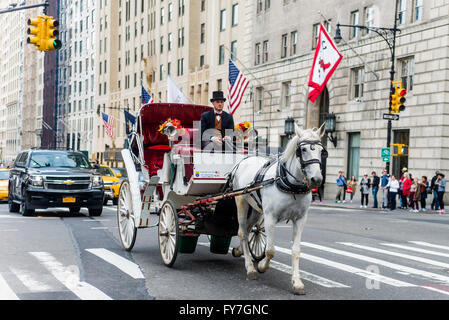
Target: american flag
point(108, 122)
point(237, 87)
point(146, 98)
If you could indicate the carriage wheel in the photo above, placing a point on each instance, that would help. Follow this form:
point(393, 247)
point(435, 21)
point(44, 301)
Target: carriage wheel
point(168, 231)
point(257, 240)
point(125, 217)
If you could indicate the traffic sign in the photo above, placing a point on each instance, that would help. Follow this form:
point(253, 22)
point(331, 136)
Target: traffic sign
point(386, 159)
point(388, 116)
point(385, 152)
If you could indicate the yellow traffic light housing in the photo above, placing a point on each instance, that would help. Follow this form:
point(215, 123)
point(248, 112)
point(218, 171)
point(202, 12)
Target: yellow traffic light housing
point(51, 33)
point(37, 32)
point(399, 150)
point(401, 97)
point(397, 99)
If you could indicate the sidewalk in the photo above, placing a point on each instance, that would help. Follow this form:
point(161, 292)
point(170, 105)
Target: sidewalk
point(356, 206)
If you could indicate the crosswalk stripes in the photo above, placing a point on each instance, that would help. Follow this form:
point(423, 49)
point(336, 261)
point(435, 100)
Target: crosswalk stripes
point(6, 292)
point(406, 276)
point(69, 278)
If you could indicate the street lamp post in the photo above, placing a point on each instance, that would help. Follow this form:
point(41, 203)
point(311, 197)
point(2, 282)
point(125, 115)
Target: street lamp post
point(384, 33)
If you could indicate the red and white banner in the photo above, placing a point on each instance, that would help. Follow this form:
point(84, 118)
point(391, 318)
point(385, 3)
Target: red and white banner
point(325, 62)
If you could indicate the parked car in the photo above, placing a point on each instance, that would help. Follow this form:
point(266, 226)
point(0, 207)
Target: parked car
point(111, 184)
point(40, 179)
point(4, 178)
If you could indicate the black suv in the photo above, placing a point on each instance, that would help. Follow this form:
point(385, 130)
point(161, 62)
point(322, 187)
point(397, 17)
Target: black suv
point(40, 179)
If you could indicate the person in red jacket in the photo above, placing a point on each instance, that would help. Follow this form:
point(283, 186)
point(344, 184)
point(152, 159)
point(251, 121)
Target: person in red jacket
point(406, 184)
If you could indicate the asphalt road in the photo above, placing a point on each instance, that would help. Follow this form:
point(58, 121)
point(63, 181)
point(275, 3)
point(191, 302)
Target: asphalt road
point(347, 254)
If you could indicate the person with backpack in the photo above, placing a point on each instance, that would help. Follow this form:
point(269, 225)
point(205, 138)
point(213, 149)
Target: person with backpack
point(441, 187)
point(375, 187)
point(341, 186)
point(383, 184)
point(425, 189)
point(435, 205)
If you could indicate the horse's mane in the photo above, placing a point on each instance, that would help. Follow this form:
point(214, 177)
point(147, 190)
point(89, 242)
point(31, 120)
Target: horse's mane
point(290, 149)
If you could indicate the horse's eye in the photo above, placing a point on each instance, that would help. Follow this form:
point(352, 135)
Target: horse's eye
point(303, 149)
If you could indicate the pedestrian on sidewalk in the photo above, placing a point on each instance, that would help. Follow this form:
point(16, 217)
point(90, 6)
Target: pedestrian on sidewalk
point(375, 187)
point(415, 195)
point(441, 183)
point(435, 205)
point(383, 184)
point(352, 187)
point(425, 189)
point(364, 190)
point(406, 184)
point(393, 186)
point(341, 183)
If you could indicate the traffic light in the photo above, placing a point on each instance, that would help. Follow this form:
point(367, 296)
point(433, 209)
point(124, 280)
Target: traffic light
point(397, 100)
point(394, 102)
point(399, 150)
point(401, 96)
point(51, 42)
point(37, 32)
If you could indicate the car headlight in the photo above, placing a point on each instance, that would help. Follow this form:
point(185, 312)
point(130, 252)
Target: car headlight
point(116, 182)
point(97, 181)
point(37, 181)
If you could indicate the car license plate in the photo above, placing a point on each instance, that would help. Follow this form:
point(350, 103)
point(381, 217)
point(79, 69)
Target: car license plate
point(68, 200)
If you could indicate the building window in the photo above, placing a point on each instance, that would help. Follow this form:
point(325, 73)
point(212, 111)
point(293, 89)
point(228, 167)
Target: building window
point(267, 4)
point(180, 37)
point(259, 98)
point(316, 33)
point(221, 55)
point(180, 67)
point(181, 7)
point(265, 51)
point(162, 15)
point(284, 46)
point(369, 18)
point(201, 60)
point(293, 42)
point(219, 84)
point(257, 54)
point(203, 32)
point(353, 154)
point(259, 6)
point(286, 94)
point(161, 72)
point(234, 50)
point(162, 45)
point(170, 11)
point(418, 10)
point(170, 38)
point(358, 79)
point(354, 21)
point(203, 5)
point(402, 11)
point(222, 20)
point(235, 14)
point(407, 70)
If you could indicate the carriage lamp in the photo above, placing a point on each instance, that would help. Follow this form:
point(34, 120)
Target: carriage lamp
point(289, 127)
point(338, 37)
point(330, 127)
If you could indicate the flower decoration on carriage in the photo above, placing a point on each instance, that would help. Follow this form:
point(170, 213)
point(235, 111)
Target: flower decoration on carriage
point(241, 129)
point(172, 128)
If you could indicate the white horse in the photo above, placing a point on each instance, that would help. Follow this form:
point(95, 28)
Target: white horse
point(302, 161)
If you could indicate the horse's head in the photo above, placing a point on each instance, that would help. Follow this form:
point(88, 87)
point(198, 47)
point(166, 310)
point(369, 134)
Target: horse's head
point(309, 152)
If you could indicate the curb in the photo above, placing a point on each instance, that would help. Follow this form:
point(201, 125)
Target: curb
point(371, 209)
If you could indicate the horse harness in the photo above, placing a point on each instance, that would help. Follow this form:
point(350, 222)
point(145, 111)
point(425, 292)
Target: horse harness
point(300, 187)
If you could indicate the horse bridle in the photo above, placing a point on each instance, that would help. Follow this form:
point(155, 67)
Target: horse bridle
point(312, 143)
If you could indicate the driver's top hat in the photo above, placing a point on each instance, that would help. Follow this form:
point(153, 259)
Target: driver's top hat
point(217, 95)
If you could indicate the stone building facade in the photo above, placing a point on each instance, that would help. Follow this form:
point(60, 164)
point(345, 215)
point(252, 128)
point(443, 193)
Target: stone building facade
point(281, 56)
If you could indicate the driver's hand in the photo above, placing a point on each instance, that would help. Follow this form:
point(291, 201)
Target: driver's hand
point(217, 140)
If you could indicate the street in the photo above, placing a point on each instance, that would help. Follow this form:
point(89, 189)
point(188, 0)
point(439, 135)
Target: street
point(347, 254)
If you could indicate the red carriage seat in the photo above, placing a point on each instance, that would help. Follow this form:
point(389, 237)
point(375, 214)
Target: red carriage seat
point(156, 144)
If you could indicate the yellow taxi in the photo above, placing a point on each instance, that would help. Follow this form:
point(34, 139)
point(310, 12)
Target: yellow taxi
point(4, 178)
point(111, 183)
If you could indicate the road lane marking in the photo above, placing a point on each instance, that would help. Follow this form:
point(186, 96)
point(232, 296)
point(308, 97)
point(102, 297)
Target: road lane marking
point(426, 244)
point(397, 254)
point(398, 267)
point(308, 276)
point(350, 269)
point(121, 263)
point(304, 274)
point(95, 220)
point(99, 228)
point(6, 292)
point(69, 278)
point(435, 253)
point(30, 281)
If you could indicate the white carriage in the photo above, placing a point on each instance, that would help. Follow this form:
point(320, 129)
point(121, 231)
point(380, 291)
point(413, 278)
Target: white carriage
point(184, 186)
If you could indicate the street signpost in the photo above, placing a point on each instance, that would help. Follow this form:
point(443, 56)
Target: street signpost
point(391, 116)
point(385, 154)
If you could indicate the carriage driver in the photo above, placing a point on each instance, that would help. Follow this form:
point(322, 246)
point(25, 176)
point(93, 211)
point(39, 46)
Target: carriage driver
point(216, 123)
